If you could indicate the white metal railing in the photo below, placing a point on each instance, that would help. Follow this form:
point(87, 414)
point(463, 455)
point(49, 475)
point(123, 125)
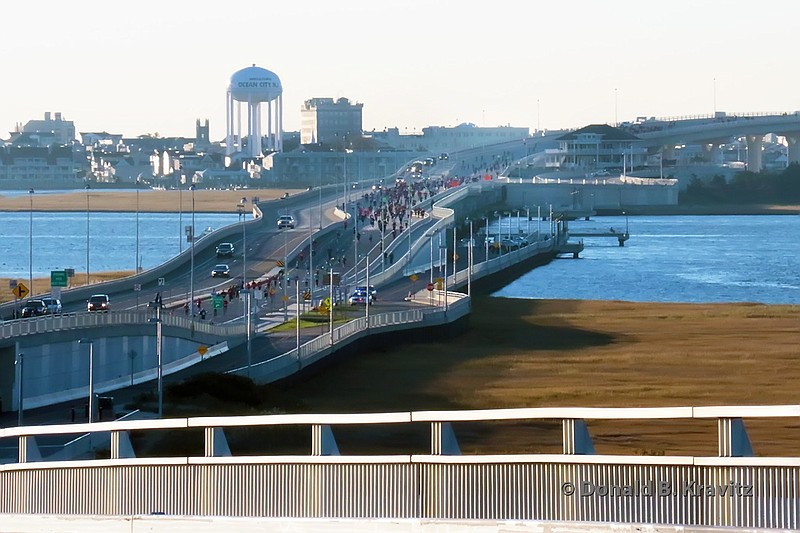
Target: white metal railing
point(54, 323)
point(318, 482)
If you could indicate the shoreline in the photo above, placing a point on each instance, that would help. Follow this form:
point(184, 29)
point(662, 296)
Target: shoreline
point(214, 201)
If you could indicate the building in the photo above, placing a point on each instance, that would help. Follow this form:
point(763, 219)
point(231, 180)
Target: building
point(47, 132)
point(55, 166)
point(600, 147)
point(329, 121)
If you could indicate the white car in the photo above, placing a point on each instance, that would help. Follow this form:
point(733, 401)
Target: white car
point(286, 221)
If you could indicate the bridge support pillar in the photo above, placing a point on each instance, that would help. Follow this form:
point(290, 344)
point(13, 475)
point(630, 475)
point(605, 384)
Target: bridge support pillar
point(708, 152)
point(216, 443)
point(322, 440)
point(443, 439)
point(733, 438)
point(576, 438)
point(28, 450)
point(793, 141)
point(121, 447)
point(668, 152)
point(754, 143)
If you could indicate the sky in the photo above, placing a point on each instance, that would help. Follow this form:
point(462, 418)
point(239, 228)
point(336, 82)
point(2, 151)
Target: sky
point(151, 66)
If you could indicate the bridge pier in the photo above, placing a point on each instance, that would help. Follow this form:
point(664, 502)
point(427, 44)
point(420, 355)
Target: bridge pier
point(754, 144)
point(793, 142)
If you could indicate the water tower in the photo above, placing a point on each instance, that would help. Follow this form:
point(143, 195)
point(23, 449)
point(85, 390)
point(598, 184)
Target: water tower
point(252, 86)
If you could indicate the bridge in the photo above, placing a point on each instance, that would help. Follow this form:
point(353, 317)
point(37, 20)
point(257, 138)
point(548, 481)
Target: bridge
point(664, 134)
point(439, 487)
point(398, 487)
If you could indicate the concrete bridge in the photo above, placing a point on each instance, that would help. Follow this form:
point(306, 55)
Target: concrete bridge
point(663, 134)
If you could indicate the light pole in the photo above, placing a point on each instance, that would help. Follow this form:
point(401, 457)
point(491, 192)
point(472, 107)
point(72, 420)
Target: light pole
point(90, 342)
point(30, 242)
point(246, 293)
point(330, 307)
point(20, 394)
point(159, 359)
point(469, 260)
point(486, 240)
point(180, 220)
point(191, 254)
point(297, 318)
point(136, 259)
point(285, 276)
point(430, 236)
point(527, 221)
point(242, 219)
point(499, 234)
point(87, 234)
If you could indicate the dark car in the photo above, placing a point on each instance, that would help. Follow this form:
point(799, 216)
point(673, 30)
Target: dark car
point(98, 302)
point(221, 271)
point(34, 308)
point(224, 249)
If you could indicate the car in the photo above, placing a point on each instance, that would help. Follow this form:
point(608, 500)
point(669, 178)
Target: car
point(53, 305)
point(285, 196)
point(98, 302)
point(372, 291)
point(224, 249)
point(360, 298)
point(286, 221)
point(221, 271)
point(444, 156)
point(34, 308)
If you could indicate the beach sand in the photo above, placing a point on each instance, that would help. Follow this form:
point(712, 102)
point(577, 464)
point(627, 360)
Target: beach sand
point(150, 201)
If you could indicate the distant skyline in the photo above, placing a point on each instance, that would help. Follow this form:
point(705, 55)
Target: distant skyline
point(156, 67)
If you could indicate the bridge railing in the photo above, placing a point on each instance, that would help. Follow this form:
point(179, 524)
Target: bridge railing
point(71, 321)
point(732, 488)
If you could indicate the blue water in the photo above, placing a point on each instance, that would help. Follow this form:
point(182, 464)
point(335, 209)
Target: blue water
point(700, 259)
point(667, 259)
point(59, 240)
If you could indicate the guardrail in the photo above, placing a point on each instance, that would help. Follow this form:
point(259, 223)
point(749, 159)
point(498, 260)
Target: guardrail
point(54, 323)
point(731, 489)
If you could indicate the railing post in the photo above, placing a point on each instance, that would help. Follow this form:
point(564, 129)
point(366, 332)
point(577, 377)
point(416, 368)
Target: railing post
point(322, 440)
point(216, 445)
point(733, 439)
point(121, 447)
point(28, 449)
point(443, 439)
point(576, 438)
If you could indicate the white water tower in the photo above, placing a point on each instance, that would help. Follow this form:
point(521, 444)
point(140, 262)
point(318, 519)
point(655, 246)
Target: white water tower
point(252, 86)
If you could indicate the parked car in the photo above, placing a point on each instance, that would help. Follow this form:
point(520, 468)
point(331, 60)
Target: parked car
point(224, 249)
point(53, 305)
point(221, 271)
point(34, 308)
point(98, 302)
point(286, 221)
point(360, 298)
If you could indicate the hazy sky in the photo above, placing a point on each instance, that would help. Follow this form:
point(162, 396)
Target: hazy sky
point(157, 66)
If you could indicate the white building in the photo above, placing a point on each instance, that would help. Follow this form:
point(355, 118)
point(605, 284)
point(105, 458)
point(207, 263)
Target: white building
point(329, 121)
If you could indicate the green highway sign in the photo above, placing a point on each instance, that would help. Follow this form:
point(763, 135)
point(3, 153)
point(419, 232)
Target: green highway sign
point(216, 301)
point(58, 278)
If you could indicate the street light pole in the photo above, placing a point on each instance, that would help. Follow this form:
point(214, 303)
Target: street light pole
point(87, 234)
point(30, 242)
point(191, 267)
point(90, 342)
point(20, 395)
point(136, 259)
point(469, 260)
point(285, 276)
point(159, 358)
